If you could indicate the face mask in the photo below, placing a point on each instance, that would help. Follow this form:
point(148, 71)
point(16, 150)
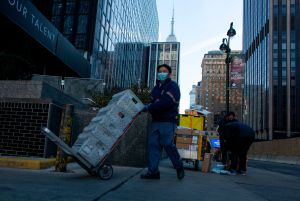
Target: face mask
point(162, 76)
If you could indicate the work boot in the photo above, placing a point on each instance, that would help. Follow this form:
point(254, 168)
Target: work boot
point(180, 173)
point(149, 175)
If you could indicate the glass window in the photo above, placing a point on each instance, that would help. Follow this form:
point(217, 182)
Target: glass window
point(275, 72)
point(68, 24)
point(293, 55)
point(82, 24)
point(167, 47)
point(283, 46)
point(293, 64)
point(275, 46)
point(293, 46)
point(56, 20)
point(283, 82)
point(70, 7)
point(284, 72)
point(57, 9)
point(84, 7)
point(283, 64)
point(174, 47)
point(80, 41)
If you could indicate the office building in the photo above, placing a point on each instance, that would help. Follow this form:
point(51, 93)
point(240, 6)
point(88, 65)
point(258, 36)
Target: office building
point(213, 85)
point(111, 36)
point(195, 95)
point(272, 58)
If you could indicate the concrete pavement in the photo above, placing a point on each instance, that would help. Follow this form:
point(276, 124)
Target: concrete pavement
point(77, 185)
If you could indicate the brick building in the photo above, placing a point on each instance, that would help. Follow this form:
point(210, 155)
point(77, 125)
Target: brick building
point(213, 87)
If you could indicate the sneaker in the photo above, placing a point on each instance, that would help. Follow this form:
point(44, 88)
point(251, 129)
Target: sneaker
point(149, 175)
point(180, 173)
point(233, 172)
point(243, 173)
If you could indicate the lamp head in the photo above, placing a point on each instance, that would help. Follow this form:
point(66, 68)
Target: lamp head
point(223, 46)
point(231, 32)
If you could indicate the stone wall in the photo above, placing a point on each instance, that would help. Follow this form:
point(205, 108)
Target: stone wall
point(132, 149)
point(283, 150)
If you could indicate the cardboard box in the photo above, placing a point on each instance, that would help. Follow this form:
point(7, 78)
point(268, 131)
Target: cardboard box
point(182, 146)
point(184, 139)
point(206, 164)
point(183, 131)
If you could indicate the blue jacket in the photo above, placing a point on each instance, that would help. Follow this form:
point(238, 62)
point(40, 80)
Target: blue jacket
point(165, 101)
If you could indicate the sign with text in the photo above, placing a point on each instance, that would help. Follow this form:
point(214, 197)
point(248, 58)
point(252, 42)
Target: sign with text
point(25, 15)
point(237, 72)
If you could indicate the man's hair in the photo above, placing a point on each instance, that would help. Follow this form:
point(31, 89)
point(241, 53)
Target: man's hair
point(166, 66)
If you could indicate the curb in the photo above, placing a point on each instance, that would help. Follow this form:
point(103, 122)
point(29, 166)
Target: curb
point(27, 163)
point(294, 160)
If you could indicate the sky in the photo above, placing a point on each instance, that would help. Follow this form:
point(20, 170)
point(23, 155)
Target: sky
point(200, 26)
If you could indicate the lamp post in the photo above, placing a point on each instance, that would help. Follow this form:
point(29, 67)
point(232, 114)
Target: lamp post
point(224, 47)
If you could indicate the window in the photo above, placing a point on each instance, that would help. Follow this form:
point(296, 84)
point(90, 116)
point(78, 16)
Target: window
point(82, 24)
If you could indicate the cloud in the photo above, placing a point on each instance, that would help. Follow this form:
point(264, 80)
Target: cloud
point(204, 44)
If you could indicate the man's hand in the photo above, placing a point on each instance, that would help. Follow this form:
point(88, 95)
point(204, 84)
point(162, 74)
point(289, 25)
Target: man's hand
point(145, 109)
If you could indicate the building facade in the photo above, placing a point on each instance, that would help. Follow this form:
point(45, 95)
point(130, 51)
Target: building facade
point(30, 40)
point(213, 87)
point(164, 53)
point(112, 34)
point(272, 58)
point(195, 95)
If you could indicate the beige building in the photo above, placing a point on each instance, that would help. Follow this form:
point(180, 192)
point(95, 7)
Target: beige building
point(213, 87)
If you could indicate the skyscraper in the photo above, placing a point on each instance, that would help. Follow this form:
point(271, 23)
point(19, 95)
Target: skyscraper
point(164, 53)
point(213, 87)
point(272, 56)
point(195, 95)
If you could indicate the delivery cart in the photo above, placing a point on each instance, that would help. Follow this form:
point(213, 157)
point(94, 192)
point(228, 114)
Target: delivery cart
point(102, 170)
point(192, 145)
point(102, 135)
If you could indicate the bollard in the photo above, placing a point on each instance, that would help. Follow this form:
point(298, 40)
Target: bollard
point(65, 135)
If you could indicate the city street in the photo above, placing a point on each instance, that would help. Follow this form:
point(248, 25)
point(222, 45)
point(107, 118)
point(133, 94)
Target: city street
point(265, 181)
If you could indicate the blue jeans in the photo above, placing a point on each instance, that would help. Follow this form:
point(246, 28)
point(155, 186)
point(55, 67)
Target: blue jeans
point(161, 135)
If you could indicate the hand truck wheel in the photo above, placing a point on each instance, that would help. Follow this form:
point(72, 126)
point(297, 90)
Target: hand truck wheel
point(105, 172)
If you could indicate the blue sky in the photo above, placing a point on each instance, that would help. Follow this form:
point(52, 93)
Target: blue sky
point(199, 26)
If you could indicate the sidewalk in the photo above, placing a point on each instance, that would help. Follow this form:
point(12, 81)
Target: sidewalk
point(78, 185)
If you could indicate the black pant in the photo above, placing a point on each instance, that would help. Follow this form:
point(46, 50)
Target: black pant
point(239, 150)
point(223, 150)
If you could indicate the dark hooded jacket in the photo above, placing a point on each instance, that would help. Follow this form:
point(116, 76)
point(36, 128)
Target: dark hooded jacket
point(165, 98)
point(236, 131)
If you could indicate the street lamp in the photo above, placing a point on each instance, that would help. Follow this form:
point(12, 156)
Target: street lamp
point(224, 47)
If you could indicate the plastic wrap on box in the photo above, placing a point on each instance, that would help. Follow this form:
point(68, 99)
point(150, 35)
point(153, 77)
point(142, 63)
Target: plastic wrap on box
point(128, 101)
point(93, 150)
point(189, 154)
point(99, 136)
point(105, 137)
point(80, 141)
